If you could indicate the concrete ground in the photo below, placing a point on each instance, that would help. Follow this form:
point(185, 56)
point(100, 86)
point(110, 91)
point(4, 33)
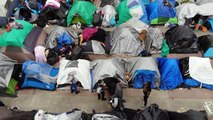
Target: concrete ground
point(61, 101)
point(179, 100)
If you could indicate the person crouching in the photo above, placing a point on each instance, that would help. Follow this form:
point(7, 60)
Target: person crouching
point(100, 91)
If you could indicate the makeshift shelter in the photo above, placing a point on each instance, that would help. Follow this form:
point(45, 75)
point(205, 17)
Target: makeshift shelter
point(159, 12)
point(192, 78)
point(154, 39)
point(143, 69)
point(53, 13)
point(141, 63)
point(107, 68)
point(109, 15)
point(201, 70)
point(7, 85)
point(143, 76)
point(136, 24)
point(28, 10)
point(125, 40)
point(84, 9)
point(128, 9)
point(80, 67)
point(35, 37)
point(171, 76)
point(39, 75)
point(70, 115)
point(181, 39)
point(93, 46)
point(16, 37)
point(189, 10)
point(56, 32)
point(206, 45)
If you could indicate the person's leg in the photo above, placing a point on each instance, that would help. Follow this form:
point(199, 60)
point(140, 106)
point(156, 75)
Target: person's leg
point(103, 95)
point(99, 96)
point(146, 91)
point(71, 88)
point(75, 88)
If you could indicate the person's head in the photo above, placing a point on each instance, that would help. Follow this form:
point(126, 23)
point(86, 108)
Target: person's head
point(127, 76)
point(52, 56)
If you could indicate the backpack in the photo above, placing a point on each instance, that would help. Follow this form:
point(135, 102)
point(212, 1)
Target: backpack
point(152, 113)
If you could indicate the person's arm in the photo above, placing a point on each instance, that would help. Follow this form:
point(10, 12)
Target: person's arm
point(81, 39)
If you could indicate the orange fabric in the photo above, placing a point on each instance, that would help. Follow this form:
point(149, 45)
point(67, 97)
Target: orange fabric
point(204, 29)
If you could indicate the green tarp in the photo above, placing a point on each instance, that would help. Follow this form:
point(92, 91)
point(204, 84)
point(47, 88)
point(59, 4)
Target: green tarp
point(165, 49)
point(11, 89)
point(123, 12)
point(16, 37)
point(162, 20)
point(83, 8)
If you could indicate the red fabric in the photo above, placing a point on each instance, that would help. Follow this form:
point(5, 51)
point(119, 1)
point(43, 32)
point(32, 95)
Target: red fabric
point(88, 33)
point(9, 28)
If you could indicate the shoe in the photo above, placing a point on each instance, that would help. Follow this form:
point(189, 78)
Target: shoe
point(77, 92)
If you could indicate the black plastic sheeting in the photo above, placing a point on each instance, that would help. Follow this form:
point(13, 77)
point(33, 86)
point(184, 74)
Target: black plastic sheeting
point(181, 39)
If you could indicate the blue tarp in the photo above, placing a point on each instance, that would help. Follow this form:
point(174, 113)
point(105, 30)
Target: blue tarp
point(143, 76)
point(32, 76)
point(64, 39)
point(209, 52)
point(144, 18)
point(211, 22)
point(195, 83)
point(157, 9)
point(146, 2)
point(171, 76)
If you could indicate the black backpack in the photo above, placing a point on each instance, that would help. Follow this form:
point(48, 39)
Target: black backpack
point(152, 113)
